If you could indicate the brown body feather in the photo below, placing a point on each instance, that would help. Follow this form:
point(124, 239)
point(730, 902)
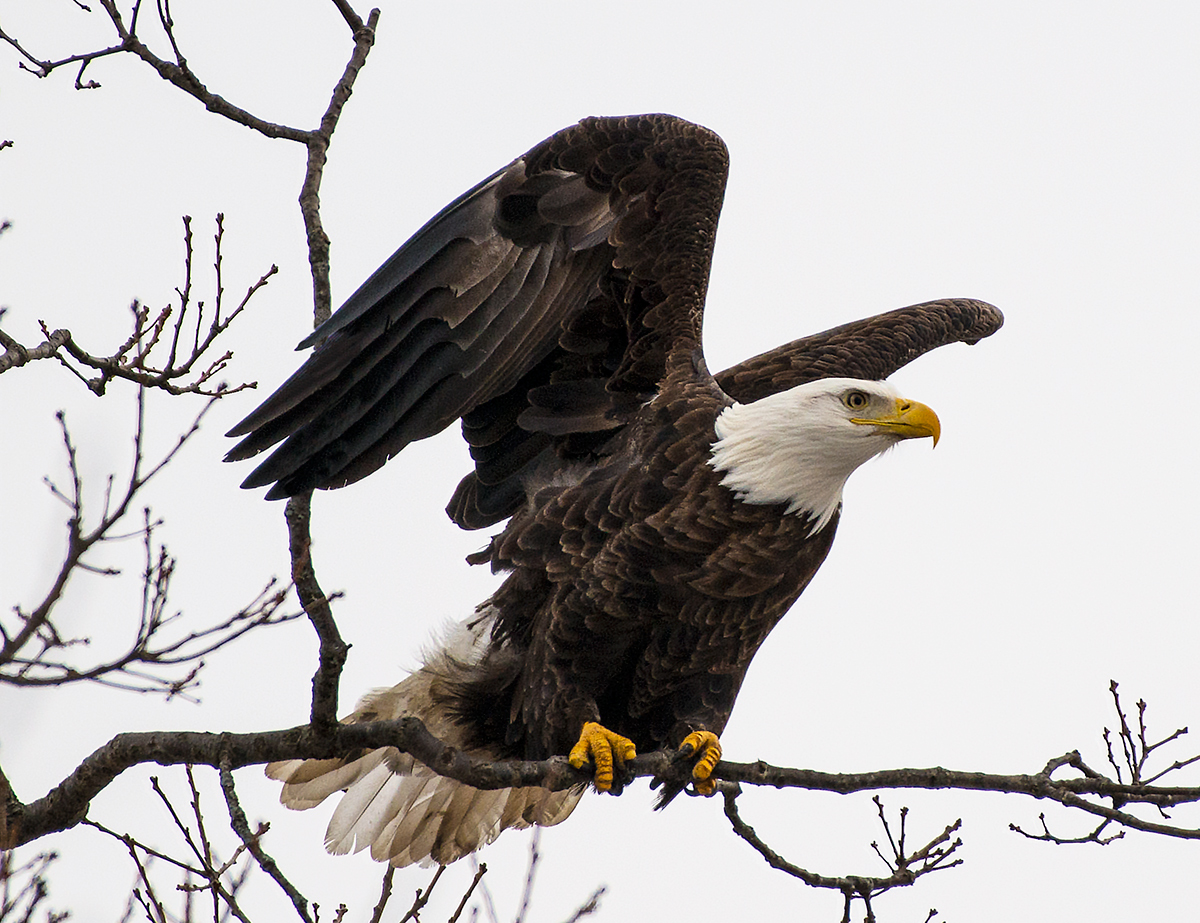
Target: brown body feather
point(642, 592)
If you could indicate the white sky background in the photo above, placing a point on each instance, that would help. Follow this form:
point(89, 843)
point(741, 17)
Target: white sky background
point(1041, 156)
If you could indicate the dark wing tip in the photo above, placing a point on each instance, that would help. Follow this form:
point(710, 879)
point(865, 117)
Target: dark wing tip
point(241, 451)
point(987, 320)
point(278, 492)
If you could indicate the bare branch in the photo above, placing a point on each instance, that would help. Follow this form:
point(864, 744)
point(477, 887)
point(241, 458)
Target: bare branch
point(168, 350)
point(149, 851)
point(23, 888)
point(16, 355)
point(318, 145)
point(385, 893)
point(134, 360)
point(489, 903)
point(479, 873)
point(1093, 836)
point(352, 18)
point(419, 902)
point(180, 74)
point(149, 331)
point(333, 649)
point(905, 869)
point(43, 68)
point(28, 655)
point(63, 806)
point(1135, 748)
point(222, 880)
point(253, 842)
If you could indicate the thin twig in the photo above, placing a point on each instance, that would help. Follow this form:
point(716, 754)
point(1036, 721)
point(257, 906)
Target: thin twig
point(419, 902)
point(905, 869)
point(479, 873)
point(588, 907)
point(27, 655)
point(527, 891)
point(253, 841)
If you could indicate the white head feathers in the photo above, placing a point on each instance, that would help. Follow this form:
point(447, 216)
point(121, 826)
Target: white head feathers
point(799, 446)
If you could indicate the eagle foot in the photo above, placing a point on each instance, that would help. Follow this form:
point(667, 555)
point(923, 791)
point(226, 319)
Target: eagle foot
point(602, 748)
point(708, 746)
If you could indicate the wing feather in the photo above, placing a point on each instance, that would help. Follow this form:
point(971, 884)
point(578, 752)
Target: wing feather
point(872, 348)
point(540, 308)
point(611, 216)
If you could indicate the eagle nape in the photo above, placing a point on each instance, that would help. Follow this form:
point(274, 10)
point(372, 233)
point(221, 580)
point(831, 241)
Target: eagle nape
point(654, 521)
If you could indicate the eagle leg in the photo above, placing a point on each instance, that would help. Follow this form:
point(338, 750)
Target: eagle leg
point(708, 746)
point(601, 747)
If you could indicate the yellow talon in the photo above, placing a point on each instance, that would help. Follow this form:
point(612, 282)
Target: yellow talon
point(708, 746)
point(601, 747)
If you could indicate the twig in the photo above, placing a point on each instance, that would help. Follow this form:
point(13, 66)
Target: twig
point(23, 887)
point(588, 907)
point(134, 360)
point(1093, 836)
point(253, 842)
point(209, 869)
point(386, 893)
point(489, 903)
point(419, 902)
point(479, 873)
point(905, 869)
point(202, 850)
point(150, 851)
point(26, 651)
point(527, 891)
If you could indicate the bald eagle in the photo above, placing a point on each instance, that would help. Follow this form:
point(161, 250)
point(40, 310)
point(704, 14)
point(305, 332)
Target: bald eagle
point(660, 519)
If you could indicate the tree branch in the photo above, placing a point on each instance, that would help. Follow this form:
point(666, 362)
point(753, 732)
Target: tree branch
point(28, 645)
point(253, 842)
point(905, 869)
point(67, 803)
point(134, 359)
point(318, 145)
point(222, 880)
point(333, 650)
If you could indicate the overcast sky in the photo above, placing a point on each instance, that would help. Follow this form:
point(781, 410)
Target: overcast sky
point(1041, 156)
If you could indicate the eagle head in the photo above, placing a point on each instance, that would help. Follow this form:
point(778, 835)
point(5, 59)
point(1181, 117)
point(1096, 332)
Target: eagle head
point(799, 446)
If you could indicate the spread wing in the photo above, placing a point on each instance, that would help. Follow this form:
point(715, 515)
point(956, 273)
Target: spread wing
point(540, 307)
point(872, 348)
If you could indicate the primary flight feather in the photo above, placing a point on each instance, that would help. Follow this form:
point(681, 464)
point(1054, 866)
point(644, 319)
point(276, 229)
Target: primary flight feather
point(661, 519)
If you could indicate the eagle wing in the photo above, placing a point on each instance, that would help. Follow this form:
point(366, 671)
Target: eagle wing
point(504, 444)
point(872, 348)
point(539, 307)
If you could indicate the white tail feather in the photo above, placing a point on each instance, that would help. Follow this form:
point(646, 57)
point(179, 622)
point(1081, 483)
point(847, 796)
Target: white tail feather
point(404, 811)
point(363, 811)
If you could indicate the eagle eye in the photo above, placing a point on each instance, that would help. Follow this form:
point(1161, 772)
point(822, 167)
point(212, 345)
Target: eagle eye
point(856, 400)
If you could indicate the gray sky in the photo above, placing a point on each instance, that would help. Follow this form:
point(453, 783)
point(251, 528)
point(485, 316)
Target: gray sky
point(1041, 156)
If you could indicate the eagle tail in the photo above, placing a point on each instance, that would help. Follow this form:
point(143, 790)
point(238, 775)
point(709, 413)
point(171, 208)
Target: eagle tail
point(405, 812)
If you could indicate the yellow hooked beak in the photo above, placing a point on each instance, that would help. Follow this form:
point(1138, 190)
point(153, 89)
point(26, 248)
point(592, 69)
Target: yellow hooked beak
point(908, 420)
